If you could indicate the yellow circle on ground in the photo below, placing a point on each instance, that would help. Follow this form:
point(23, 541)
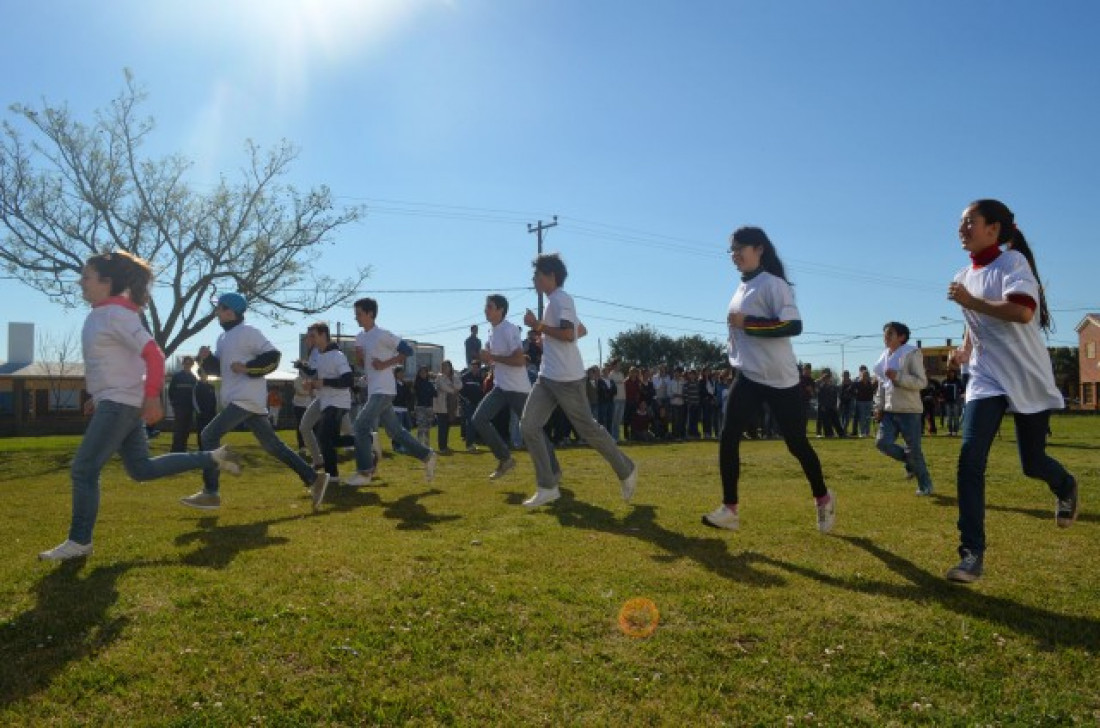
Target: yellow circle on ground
point(638, 617)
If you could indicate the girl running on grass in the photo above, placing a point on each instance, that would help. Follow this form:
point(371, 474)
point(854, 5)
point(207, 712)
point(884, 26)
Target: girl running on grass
point(124, 374)
point(1003, 303)
point(762, 319)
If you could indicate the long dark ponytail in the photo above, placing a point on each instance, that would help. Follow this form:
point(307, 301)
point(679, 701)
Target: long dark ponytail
point(757, 238)
point(1009, 235)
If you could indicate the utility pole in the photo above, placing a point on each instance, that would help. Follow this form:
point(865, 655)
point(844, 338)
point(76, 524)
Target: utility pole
point(538, 229)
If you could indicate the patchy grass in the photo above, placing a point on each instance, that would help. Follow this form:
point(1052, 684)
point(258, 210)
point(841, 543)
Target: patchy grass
point(449, 603)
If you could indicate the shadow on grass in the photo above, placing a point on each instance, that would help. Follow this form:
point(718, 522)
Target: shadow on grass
point(1049, 629)
point(1039, 513)
point(45, 463)
point(68, 622)
point(412, 515)
point(641, 523)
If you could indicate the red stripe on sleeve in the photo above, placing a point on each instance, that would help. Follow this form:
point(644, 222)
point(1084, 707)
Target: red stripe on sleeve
point(1023, 300)
point(154, 369)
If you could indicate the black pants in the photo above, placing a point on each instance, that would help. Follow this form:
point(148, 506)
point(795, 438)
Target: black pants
point(788, 412)
point(185, 420)
point(331, 417)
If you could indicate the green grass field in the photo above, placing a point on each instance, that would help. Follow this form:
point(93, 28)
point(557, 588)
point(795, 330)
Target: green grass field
point(450, 604)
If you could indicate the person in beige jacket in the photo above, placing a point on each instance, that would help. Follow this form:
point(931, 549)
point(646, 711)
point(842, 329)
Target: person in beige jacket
point(898, 408)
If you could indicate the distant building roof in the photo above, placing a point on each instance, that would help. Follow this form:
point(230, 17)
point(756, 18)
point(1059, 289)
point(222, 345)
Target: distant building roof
point(41, 370)
point(1093, 318)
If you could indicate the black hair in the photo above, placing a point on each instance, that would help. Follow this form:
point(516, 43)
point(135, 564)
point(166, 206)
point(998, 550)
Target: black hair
point(995, 211)
point(368, 305)
point(757, 238)
point(127, 273)
point(322, 328)
point(551, 264)
point(899, 328)
point(500, 302)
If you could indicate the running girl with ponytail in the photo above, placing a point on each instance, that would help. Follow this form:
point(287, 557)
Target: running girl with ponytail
point(1003, 303)
point(762, 319)
point(124, 374)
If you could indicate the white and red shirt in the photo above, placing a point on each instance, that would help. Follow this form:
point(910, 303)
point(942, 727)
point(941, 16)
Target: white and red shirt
point(1007, 359)
point(122, 363)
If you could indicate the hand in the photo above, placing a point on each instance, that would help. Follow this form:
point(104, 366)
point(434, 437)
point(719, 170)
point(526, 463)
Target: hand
point(485, 356)
point(378, 364)
point(736, 320)
point(892, 375)
point(151, 411)
point(582, 330)
point(529, 319)
point(877, 415)
point(89, 407)
point(238, 368)
point(960, 356)
point(957, 292)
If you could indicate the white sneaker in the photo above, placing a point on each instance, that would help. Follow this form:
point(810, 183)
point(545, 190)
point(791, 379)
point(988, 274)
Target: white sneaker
point(723, 517)
point(503, 468)
point(826, 514)
point(317, 490)
point(66, 551)
point(429, 467)
point(227, 460)
point(362, 477)
point(543, 496)
point(629, 483)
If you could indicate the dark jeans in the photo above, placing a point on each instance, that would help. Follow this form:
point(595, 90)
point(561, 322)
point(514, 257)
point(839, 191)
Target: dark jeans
point(787, 408)
point(331, 417)
point(298, 412)
point(830, 420)
point(981, 420)
point(181, 430)
point(443, 427)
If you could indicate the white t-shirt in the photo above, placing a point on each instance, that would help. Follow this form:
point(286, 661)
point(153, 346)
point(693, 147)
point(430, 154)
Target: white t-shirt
point(378, 344)
point(561, 360)
point(242, 343)
point(112, 340)
point(505, 340)
point(768, 361)
point(1008, 359)
point(333, 364)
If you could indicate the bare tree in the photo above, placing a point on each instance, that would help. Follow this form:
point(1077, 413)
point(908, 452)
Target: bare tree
point(59, 358)
point(82, 189)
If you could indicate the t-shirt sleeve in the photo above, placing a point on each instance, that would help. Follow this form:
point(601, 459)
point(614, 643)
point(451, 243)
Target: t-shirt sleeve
point(1019, 281)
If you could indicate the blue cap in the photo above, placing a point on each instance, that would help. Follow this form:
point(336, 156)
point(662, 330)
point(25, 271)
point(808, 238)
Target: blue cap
point(235, 302)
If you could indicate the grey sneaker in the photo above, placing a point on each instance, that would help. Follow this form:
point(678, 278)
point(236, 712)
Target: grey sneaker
point(227, 460)
point(1065, 512)
point(203, 501)
point(503, 468)
point(429, 467)
point(66, 551)
point(543, 496)
point(723, 517)
point(317, 490)
point(968, 570)
point(629, 483)
point(826, 514)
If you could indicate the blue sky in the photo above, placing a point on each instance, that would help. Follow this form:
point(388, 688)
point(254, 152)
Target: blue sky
point(853, 131)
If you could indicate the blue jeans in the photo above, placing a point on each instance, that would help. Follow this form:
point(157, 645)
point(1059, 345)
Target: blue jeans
point(490, 407)
point(571, 397)
point(951, 414)
point(227, 421)
point(379, 409)
point(863, 418)
point(981, 420)
point(116, 427)
point(909, 425)
point(618, 408)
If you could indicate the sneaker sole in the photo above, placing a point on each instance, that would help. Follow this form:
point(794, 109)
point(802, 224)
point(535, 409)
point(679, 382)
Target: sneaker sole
point(201, 508)
point(707, 522)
